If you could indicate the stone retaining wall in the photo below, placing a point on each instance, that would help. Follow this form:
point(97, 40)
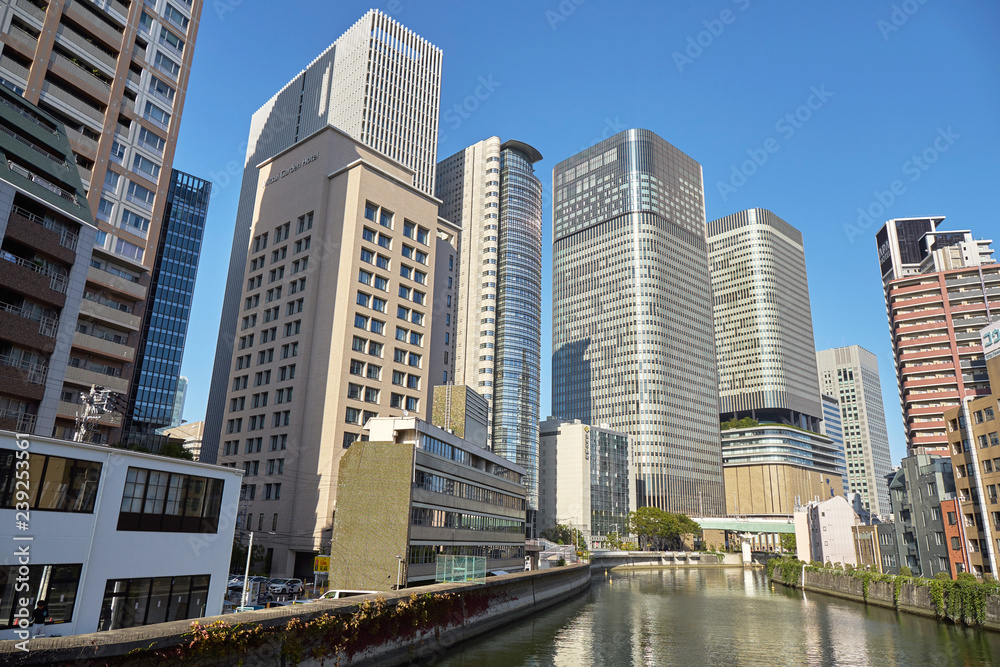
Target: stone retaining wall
point(479, 608)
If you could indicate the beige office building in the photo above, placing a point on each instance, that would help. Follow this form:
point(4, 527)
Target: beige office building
point(115, 73)
point(345, 292)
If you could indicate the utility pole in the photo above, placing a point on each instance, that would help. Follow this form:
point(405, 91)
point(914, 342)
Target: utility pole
point(246, 574)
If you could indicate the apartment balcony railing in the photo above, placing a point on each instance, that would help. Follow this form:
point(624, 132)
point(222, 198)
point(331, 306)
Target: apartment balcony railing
point(31, 10)
point(35, 372)
point(48, 185)
point(103, 346)
point(86, 377)
point(10, 66)
point(25, 423)
point(57, 281)
point(117, 283)
point(109, 314)
point(27, 114)
point(114, 35)
point(81, 139)
point(73, 102)
point(47, 326)
point(77, 42)
point(132, 80)
point(67, 239)
point(23, 37)
point(35, 147)
point(88, 74)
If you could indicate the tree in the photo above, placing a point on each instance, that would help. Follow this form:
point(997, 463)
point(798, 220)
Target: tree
point(787, 542)
point(615, 541)
point(660, 529)
point(238, 560)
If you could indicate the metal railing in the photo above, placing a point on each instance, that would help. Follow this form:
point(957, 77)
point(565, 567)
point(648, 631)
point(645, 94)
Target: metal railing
point(36, 371)
point(31, 10)
point(48, 185)
point(57, 281)
point(23, 37)
point(25, 422)
point(67, 239)
point(47, 326)
point(27, 114)
point(32, 145)
point(103, 86)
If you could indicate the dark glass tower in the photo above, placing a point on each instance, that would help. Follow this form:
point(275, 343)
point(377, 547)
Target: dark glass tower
point(165, 322)
point(632, 335)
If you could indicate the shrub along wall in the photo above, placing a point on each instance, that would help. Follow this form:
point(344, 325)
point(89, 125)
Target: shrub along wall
point(965, 601)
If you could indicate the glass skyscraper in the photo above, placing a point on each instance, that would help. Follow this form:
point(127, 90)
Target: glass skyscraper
point(632, 335)
point(491, 191)
point(165, 322)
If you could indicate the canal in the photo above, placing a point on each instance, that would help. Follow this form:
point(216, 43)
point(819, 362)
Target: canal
point(720, 616)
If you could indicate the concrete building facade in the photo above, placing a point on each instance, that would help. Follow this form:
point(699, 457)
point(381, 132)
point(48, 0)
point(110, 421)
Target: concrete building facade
point(490, 190)
point(824, 532)
point(46, 238)
point(586, 479)
point(940, 289)
point(414, 492)
point(851, 374)
point(974, 445)
point(119, 539)
point(343, 294)
point(115, 74)
point(632, 340)
point(918, 490)
point(379, 83)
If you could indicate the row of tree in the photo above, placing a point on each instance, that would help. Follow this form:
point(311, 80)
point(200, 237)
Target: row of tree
point(655, 528)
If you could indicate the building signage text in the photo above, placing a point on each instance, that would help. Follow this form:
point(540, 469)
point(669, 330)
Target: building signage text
point(292, 169)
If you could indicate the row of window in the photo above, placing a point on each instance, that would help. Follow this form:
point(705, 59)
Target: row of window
point(451, 487)
point(52, 482)
point(170, 502)
point(420, 554)
point(435, 518)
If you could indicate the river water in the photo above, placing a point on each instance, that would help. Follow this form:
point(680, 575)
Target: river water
point(720, 616)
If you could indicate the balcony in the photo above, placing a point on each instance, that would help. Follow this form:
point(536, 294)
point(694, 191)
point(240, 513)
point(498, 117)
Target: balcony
point(22, 422)
point(43, 234)
point(87, 378)
point(23, 37)
point(86, 17)
point(52, 94)
point(108, 314)
point(104, 347)
point(85, 77)
point(81, 139)
point(116, 283)
point(8, 65)
point(36, 14)
point(32, 280)
point(24, 327)
point(68, 195)
point(77, 42)
point(23, 379)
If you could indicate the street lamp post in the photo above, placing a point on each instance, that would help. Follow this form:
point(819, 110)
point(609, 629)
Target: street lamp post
point(246, 574)
point(399, 569)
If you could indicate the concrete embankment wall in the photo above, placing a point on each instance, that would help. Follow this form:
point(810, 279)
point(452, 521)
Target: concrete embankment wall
point(655, 559)
point(912, 599)
point(475, 609)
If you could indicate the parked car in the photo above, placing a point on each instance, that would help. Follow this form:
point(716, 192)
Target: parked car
point(340, 594)
point(285, 586)
point(236, 584)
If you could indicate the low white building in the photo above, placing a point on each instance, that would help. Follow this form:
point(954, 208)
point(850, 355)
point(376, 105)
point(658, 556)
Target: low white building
point(586, 479)
point(824, 531)
point(110, 538)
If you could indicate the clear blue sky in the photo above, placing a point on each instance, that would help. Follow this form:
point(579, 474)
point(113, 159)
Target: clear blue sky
point(885, 79)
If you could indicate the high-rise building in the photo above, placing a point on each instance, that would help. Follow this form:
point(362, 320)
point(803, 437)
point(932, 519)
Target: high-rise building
point(778, 458)
point(345, 290)
point(177, 415)
point(46, 238)
point(490, 190)
point(632, 343)
point(381, 84)
point(156, 379)
point(851, 374)
point(940, 288)
point(586, 479)
point(832, 427)
point(974, 444)
point(115, 73)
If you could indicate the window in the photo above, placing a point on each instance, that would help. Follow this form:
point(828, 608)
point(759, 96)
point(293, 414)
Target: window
point(156, 115)
point(170, 502)
point(374, 372)
point(358, 344)
point(57, 584)
point(360, 322)
point(175, 17)
point(161, 90)
point(352, 416)
point(166, 65)
point(413, 381)
point(171, 40)
point(371, 395)
point(381, 283)
point(130, 250)
point(409, 229)
point(378, 327)
point(385, 218)
point(370, 211)
point(378, 304)
point(365, 277)
point(133, 602)
point(111, 181)
point(398, 378)
point(412, 403)
point(145, 23)
point(54, 483)
point(375, 349)
point(414, 360)
point(357, 367)
point(417, 318)
point(140, 195)
point(130, 219)
point(363, 299)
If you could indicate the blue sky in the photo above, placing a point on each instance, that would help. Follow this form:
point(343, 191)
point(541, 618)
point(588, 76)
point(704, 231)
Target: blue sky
point(811, 110)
